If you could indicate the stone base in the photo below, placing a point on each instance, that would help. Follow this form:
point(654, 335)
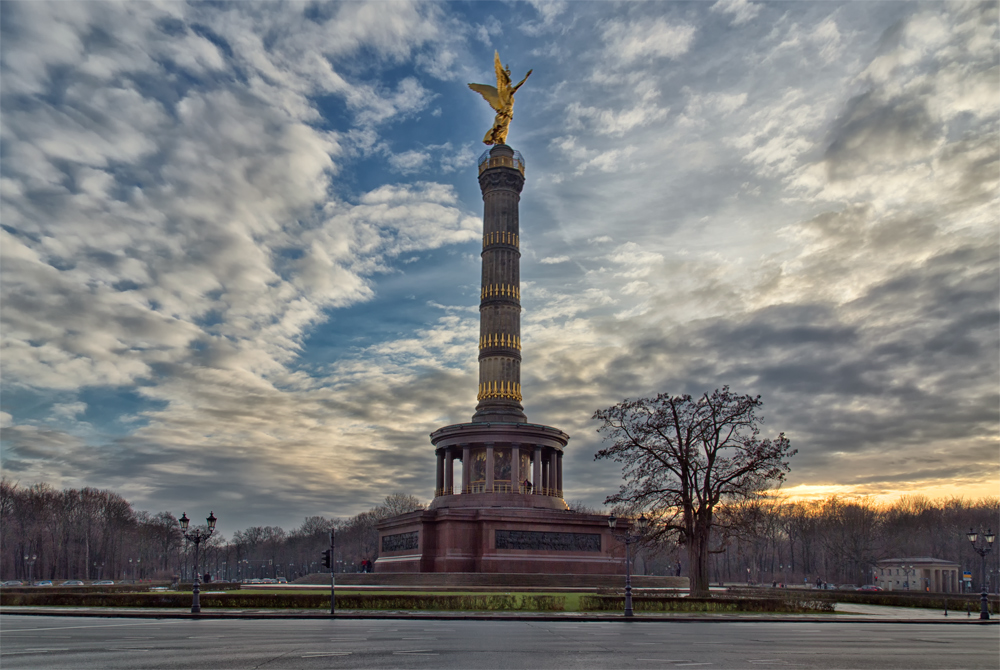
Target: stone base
point(494, 581)
point(498, 539)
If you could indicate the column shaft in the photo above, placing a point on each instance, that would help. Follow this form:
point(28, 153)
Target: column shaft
point(536, 475)
point(490, 467)
point(449, 472)
point(440, 472)
point(515, 467)
point(546, 467)
point(466, 467)
point(559, 473)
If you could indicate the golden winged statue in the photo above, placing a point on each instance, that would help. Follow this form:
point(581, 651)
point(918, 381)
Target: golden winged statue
point(501, 99)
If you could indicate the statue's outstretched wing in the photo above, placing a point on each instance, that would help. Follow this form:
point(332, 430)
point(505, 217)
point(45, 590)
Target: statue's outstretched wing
point(513, 89)
point(503, 78)
point(490, 94)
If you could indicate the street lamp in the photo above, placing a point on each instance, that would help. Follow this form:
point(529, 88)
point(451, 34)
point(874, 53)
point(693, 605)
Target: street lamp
point(628, 539)
point(196, 536)
point(982, 550)
point(30, 560)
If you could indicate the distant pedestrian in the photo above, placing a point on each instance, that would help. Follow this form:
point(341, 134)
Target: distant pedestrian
point(678, 569)
point(527, 485)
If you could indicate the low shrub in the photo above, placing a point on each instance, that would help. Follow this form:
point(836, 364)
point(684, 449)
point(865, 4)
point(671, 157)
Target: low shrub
point(291, 600)
point(141, 587)
point(955, 601)
point(600, 603)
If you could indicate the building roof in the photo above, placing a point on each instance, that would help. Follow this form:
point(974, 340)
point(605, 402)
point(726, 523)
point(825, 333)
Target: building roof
point(917, 560)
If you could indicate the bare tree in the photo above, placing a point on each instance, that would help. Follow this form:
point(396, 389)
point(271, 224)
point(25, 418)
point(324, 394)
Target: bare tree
point(681, 457)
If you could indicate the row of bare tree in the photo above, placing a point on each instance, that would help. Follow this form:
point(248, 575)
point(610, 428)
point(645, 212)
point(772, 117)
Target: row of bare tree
point(95, 534)
point(837, 540)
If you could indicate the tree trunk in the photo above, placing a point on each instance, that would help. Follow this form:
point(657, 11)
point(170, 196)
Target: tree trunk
point(698, 563)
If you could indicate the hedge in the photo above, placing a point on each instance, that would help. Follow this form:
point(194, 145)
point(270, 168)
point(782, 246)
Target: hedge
point(249, 600)
point(667, 604)
point(110, 588)
point(937, 601)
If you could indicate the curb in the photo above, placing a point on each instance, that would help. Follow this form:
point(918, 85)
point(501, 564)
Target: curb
point(422, 616)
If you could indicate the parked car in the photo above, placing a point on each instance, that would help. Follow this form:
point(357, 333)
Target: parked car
point(103, 582)
point(72, 582)
point(12, 582)
point(870, 587)
point(44, 582)
point(282, 580)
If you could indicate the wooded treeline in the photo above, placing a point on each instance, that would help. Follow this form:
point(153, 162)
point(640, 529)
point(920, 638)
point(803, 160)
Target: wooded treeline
point(838, 540)
point(96, 534)
point(92, 534)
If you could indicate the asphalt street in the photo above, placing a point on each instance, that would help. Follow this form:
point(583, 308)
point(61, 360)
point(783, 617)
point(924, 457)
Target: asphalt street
point(110, 644)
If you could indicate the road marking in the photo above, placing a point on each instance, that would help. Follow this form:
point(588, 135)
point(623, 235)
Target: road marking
point(418, 638)
point(318, 654)
point(109, 625)
point(417, 652)
point(126, 649)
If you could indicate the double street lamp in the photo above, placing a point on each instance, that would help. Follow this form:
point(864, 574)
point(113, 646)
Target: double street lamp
point(196, 536)
point(982, 549)
point(628, 539)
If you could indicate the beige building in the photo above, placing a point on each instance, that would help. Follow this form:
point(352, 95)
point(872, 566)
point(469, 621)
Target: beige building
point(918, 574)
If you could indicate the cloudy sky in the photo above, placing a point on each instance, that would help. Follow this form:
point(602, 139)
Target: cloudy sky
point(240, 242)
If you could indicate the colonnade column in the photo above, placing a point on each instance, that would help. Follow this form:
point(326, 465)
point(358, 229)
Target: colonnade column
point(536, 474)
point(449, 472)
point(515, 467)
point(559, 459)
point(546, 469)
point(466, 468)
point(440, 472)
point(490, 466)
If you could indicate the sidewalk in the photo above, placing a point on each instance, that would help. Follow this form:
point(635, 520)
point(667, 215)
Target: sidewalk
point(845, 613)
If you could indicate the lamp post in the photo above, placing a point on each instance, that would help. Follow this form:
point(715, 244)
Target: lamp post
point(30, 560)
point(196, 536)
point(982, 549)
point(628, 539)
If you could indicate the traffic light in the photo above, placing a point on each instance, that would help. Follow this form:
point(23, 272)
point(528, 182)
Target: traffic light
point(327, 555)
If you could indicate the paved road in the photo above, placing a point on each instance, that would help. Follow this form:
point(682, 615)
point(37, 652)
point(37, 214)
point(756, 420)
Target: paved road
point(112, 644)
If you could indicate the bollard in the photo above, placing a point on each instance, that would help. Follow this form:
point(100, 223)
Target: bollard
point(946, 607)
point(968, 609)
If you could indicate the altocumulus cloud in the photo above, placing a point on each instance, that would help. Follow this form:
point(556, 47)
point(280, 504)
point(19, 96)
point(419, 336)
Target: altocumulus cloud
point(171, 223)
point(797, 200)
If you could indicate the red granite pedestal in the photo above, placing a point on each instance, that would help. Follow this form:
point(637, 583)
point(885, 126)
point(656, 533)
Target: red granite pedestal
point(509, 536)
